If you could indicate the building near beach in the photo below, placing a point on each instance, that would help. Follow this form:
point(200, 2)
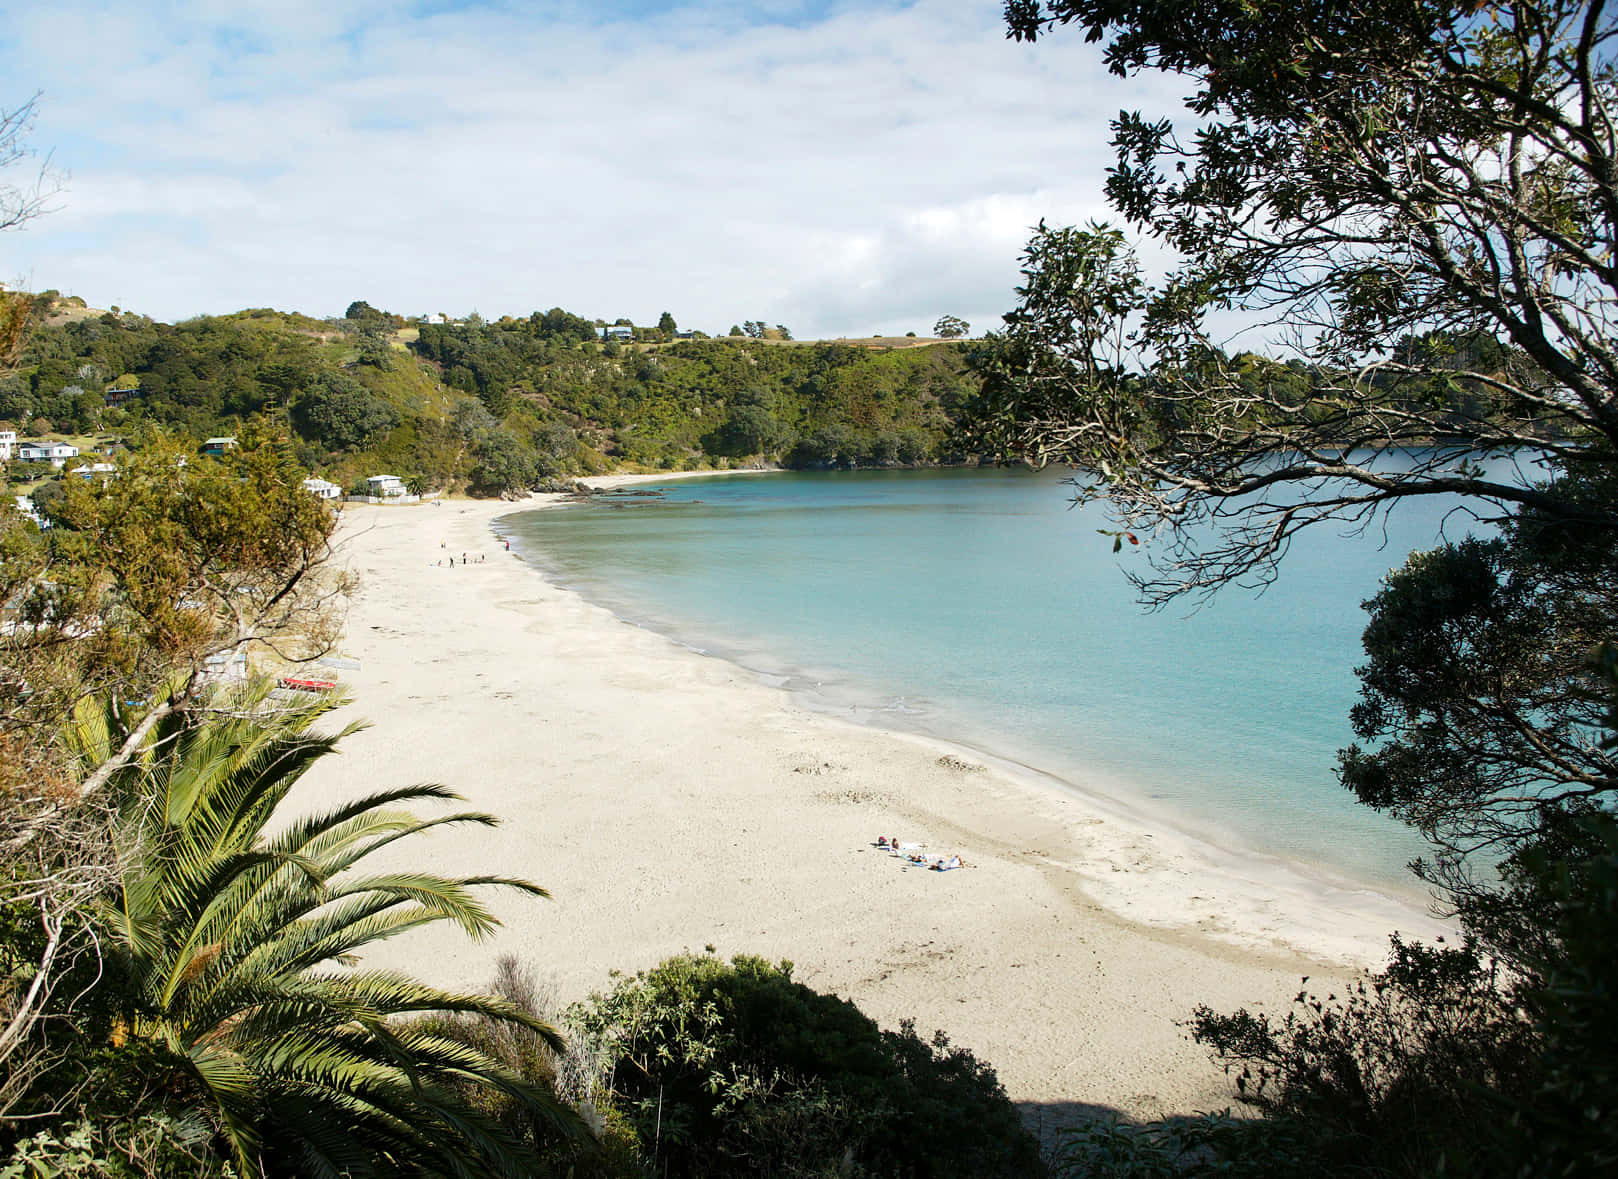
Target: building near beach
point(54, 453)
point(8, 443)
point(322, 488)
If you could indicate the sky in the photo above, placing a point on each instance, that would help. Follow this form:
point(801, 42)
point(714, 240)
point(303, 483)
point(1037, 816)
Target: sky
point(843, 169)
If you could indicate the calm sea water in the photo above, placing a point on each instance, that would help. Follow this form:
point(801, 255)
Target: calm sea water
point(978, 606)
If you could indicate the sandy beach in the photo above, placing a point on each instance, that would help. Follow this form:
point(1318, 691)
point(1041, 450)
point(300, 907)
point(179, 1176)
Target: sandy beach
point(670, 801)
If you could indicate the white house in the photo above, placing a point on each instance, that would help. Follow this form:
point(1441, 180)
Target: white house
point(385, 486)
point(8, 443)
point(226, 665)
point(322, 488)
point(91, 470)
point(55, 453)
point(618, 331)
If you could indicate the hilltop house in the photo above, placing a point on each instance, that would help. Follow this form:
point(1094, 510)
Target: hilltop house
point(54, 453)
point(618, 331)
point(218, 446)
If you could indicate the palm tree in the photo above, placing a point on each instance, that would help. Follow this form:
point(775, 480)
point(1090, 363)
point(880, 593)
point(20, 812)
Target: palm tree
point(236, 931)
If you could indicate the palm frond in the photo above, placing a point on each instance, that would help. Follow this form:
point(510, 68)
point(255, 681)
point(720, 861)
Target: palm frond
point(235, 937)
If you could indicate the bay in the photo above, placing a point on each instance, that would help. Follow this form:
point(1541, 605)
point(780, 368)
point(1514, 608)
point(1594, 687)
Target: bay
point(978, 606)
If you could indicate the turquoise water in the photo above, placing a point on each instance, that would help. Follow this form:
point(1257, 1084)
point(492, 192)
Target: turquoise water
point(978, 606)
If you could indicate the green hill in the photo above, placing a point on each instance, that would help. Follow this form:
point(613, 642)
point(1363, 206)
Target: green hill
point(489, 407)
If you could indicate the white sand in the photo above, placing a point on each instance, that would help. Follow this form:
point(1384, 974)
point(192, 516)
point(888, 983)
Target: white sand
point(672, 801)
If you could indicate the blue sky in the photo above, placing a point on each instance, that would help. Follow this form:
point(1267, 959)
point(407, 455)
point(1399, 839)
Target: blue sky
point(844, 169)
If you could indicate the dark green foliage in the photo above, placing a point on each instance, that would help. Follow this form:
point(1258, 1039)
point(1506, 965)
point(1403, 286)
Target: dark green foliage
point(340, 413)
point(734, 1069)
point(1410, 1067)
point(1185, 1148)
point(1438, 1064)
point(1477, 685)
point(503, 464)
point(751, 429)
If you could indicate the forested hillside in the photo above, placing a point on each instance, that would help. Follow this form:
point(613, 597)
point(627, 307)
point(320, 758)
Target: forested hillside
point(485, 407)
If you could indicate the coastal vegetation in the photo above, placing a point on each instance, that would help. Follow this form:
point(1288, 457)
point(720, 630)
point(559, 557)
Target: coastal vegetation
point(1425, 193)
point(740, 1070)
point(178, 943)
point(485, 407)
point(1397, 187)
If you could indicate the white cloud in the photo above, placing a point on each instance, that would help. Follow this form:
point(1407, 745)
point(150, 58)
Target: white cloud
point(860, 171)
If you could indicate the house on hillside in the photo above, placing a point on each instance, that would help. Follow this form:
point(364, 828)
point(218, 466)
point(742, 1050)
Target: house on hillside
point(385, 486)
point(322, 488)
point(119, 392)
point(54, 453)
point(218, 446)
point(618, 331)
point(8, 443)
point(95, 470)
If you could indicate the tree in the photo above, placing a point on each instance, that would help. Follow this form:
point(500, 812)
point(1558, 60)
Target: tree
point(342, 414)
point(1476, 696)
point(1425, 196)
point(22, 202)
point(1367, 175)
point(1406, 188)
point(735, 331)
point(951, 327)
point(227, 925)
point(750, 429)
point(19, 203)
point(666, 325)
point(142, 584)
point(148, 576)
point(738, 1069)
point(504, 464)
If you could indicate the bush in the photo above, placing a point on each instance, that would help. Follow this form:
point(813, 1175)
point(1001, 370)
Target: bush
point(1411, 1073)
point(735, 1069)
point(342, 414)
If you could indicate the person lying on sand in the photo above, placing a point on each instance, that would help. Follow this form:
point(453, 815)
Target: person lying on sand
point(946, 865)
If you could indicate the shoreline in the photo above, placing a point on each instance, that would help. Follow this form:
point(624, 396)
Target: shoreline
point(1292, 887)
point(671, 800)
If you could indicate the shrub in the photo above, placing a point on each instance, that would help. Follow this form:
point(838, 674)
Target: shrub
point(1409, 1073)
point(736, 1069)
